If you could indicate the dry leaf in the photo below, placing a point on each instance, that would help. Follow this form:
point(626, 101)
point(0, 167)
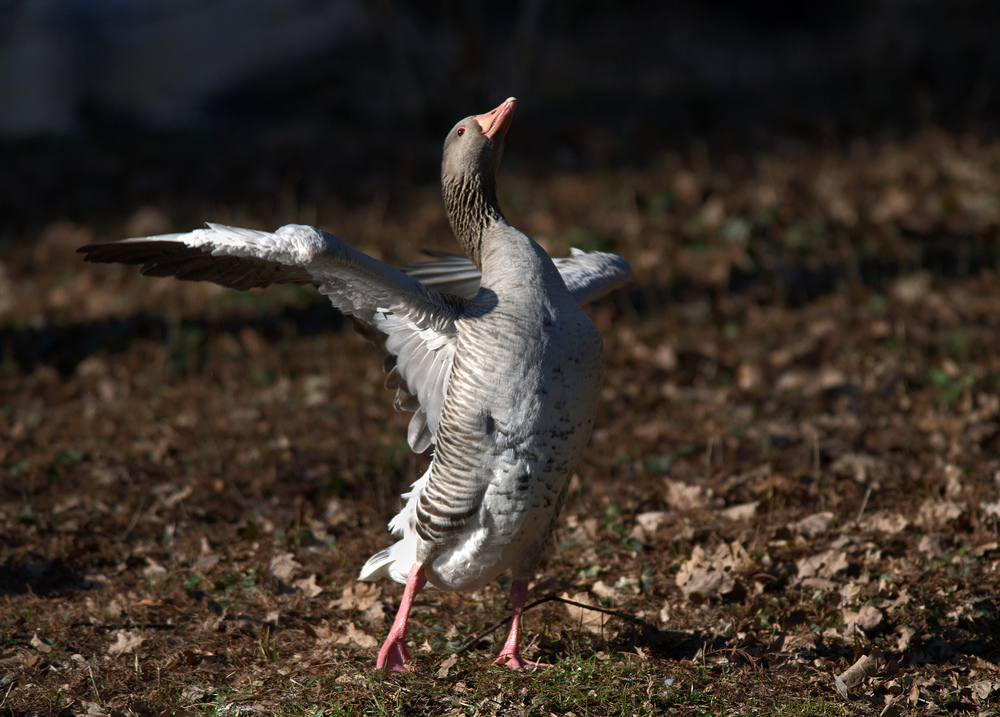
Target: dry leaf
point(605, 592)
point(906, 634)
point(740, 513)
point(354, 636)
point(375, 615)
point(125, 642)
point(895, 204)
point(682, 496)
point(705, 576)
point(284, 567)
point(981, 550)
point(911, 288)
point(652, 520)
point(838, 681)
point(938, 513)
point(830, 378)
point(792, 381)
point(665, 613)
point(890, 523)
point(954, 486)
point(983, 689)
point(857, 466)
point(748, 376)
point(93, 709)
point(321, 631)
point(868, 618)
point(153, 570)
point(446, 665)
point(167, 502)
point(815, 524)
point(849, 592)
point(308, 586)
point(823, 565)
point(40, 645)
point(359, 596)
point(147, 603)
point(114, 608)
point(891, 710)
point(207, 562)
point(866, 666)
point(930, 545)
point(590, 620)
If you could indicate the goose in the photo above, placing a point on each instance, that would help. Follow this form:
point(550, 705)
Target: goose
point(491, 352)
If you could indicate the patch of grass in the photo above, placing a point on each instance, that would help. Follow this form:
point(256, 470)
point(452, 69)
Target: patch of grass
point(69, 457)
point(585, 683)
point(658, 464)
point(16, 469)
point(27, 515)
point(594, 684)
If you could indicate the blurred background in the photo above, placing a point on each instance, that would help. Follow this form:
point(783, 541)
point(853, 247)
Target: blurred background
point(111, 105)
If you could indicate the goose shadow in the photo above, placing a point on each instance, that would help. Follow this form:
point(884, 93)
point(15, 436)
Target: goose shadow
point(45, 578)
point(64, 347)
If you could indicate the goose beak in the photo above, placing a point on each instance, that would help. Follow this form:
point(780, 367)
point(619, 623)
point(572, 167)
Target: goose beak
point(496, 122)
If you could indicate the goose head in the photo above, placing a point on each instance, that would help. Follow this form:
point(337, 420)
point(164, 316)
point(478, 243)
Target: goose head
point(472, 152)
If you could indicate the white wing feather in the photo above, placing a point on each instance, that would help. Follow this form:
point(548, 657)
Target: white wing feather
point(587, 275)
point(418, 322)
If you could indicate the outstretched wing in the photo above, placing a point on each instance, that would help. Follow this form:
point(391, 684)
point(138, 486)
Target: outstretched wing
point(588, 275)
point(417, 322)
point(447, 273)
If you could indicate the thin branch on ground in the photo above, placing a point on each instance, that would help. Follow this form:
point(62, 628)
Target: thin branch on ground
point(555, 598)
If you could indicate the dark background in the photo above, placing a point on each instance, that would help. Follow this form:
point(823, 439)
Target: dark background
point(110, 105)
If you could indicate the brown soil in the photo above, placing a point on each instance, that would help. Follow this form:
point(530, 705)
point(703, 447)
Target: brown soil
point(796, 462)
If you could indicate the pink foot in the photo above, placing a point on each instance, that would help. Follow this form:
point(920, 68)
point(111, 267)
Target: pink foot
point(393, 654)
point(510, 654)
point(516, 662)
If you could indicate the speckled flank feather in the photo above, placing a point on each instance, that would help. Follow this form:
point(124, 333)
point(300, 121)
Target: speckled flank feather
point(524, 385)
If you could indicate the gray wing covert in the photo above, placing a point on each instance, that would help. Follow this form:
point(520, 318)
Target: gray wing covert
point(588, 275)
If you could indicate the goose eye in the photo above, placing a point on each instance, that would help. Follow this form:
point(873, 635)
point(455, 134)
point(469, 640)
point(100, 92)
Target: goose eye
point(461, 131)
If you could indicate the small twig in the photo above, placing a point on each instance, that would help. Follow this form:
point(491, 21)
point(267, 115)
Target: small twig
point(817, 473)
point(135, 519)
point(555, 598)
point(864, 504)
point(866, 666)
point(94, 683)
point(4, 700)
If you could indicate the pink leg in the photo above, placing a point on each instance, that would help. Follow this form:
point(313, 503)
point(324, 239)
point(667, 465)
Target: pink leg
point(510, 655)
point(393, 653)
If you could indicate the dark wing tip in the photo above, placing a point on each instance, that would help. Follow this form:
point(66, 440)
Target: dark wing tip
point(160, 257)
point(134, 252)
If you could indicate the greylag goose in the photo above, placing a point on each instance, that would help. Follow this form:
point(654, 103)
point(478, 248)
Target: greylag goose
point(492, 353)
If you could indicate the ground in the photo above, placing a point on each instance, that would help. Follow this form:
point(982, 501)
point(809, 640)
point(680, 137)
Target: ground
point(790, 503)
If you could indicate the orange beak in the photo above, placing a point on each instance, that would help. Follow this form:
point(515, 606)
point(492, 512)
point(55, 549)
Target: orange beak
point(497, 121)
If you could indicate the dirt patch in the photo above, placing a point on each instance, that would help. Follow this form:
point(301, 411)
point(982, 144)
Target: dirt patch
point(791, 497)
